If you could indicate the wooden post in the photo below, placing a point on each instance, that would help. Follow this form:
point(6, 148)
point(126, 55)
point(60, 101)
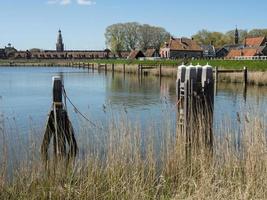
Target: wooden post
point(245, 75)
point(123, 68)
point(216, 74)
point(106, 68)
point(160, 70)
point(93, 67)
point(195, 98)
point(59, 128)
point(112, 67)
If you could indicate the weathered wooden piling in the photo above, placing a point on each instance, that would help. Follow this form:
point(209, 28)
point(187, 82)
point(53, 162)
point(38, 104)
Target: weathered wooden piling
point(160, 66)
point(245, 75)
point(123, 68)
point(59, 128)
point(195, 100)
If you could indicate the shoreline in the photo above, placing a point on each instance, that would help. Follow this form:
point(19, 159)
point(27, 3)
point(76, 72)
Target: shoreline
point(258, 78)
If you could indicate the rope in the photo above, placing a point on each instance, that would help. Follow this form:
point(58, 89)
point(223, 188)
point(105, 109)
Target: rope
point(78, 111)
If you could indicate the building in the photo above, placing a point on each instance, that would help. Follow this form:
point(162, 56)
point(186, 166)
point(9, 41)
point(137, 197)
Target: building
point(152, 53)
point(61, 53)
point(59, 45)
point(208, 51)
point(2, 54)
point(224, 51)
point(252, 47)
point(181, 48)
point(136, 54)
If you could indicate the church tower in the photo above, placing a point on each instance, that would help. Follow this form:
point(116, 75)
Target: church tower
point(236, 36)
point(59, 45)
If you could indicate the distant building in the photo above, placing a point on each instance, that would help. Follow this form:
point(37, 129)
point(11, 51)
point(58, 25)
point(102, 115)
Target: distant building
point(2, 54)
point(208, 51)
point(236, 36)
point(253, 46)
point(224, 51)
point(59, 45)
point(135, 54)
point(10, 51)
point(181, 48)
point(152, 53)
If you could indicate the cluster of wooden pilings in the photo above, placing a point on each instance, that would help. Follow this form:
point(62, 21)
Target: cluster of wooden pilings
point(195, 102)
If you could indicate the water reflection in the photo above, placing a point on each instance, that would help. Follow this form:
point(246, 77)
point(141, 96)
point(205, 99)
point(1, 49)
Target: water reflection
point(26, 92)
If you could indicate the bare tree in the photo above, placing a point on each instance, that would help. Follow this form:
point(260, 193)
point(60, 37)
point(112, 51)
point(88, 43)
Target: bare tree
point(115, 38)
point(132, 35)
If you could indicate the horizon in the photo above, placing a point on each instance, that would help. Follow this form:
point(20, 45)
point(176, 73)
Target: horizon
point(35, 24)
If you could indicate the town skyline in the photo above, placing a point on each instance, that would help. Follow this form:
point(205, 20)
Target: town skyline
point(34, 24)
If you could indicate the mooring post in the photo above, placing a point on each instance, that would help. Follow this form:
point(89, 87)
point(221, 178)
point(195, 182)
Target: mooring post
point(112, 67)
point(245, 71)
point(160, 70)
point(106, 68)
point(123, 68)
point(59, 127)
point(216, 74)
point(195, 99)
point(93, 67)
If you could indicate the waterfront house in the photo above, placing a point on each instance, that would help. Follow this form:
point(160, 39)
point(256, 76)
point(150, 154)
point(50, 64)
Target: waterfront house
point(152, 53)
point(208, 51)
point(181, 48)
point(253, 47)
point(136, 54)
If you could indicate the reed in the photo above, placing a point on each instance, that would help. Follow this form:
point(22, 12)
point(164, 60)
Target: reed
point(123, 161)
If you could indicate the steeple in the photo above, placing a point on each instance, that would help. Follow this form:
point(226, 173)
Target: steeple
point(59, 45)
point(236, 36)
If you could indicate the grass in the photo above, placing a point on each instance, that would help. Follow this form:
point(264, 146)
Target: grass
point(252, 65)
point(124, 162)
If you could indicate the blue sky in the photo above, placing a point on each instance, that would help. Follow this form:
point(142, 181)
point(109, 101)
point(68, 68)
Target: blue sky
point(34, 23)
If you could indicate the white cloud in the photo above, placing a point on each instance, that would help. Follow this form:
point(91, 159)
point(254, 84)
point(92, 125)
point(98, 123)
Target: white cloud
point(86, 2)
point(67, 2)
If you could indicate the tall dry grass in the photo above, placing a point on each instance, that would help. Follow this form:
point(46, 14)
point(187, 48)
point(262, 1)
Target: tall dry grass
point(125, 161)
point(254, 78)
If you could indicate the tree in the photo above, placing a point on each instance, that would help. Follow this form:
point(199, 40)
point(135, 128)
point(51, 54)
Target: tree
point(115, 38)
point(128, 36)
point(257, 32)
point(152, 37)
point(131, 35)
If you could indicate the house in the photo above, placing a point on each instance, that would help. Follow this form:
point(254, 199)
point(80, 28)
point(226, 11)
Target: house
point(2, 54)
point(22, 54)
point(255, 41)
point(208, 51)
point(181, 48)
point(152, 53)
point(224, 51)
point(254, 46)
point(135, 54)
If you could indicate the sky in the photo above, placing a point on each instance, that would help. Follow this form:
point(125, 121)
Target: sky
point(30, 24)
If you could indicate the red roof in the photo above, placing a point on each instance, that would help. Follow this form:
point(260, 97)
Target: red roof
point(255, 41)
point(244, 52)
point(183, 44)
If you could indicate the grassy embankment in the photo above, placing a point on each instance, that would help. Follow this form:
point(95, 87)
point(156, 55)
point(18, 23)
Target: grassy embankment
point(257, 69)
point(119, 163)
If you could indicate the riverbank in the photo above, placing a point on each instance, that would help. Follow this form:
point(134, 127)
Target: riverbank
point(124, 165)
point(257, 70)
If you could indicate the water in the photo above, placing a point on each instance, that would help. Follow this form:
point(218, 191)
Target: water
point(26, 97)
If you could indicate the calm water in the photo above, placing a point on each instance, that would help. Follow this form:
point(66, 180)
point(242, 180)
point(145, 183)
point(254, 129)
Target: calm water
point(26, 96)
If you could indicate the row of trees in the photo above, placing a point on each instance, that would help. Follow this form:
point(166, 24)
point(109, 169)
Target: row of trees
point(128, 36)
point(219, 39)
